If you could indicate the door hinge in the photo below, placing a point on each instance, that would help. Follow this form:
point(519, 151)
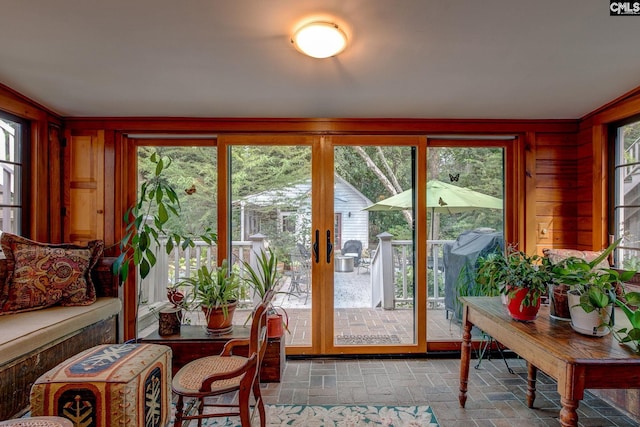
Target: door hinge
point(64, 211)
point(63, 141)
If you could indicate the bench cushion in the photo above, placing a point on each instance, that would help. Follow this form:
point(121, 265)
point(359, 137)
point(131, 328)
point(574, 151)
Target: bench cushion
point(23, 333)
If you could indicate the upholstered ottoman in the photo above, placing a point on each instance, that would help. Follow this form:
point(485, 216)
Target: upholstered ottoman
point(108, 385)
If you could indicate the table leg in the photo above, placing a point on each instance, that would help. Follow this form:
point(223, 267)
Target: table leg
point(568, 413)
point(532, 373)
point(465, 359)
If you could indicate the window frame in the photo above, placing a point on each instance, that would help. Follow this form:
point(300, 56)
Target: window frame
point(24, 178)
point(613, 185)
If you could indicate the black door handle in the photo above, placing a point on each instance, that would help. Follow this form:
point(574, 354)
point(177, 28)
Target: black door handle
point(329, 246)
point(316, 251)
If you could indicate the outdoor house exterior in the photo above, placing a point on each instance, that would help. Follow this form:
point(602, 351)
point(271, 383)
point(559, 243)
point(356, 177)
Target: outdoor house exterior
point(292, 211)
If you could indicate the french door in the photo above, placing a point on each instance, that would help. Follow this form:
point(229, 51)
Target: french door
point(307, 198)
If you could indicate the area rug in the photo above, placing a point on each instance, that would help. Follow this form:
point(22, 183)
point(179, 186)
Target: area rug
point(366, 339)
point(339, 416)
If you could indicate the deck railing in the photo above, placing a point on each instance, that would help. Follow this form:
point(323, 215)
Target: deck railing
point(180, 264)
point(392, 275)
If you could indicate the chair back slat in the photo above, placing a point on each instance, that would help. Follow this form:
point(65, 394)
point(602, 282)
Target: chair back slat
point(258, 337)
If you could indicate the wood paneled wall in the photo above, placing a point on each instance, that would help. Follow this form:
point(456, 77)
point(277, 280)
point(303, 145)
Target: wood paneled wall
point(556, 199)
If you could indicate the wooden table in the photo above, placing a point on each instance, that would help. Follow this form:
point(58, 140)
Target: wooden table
point(575, 361)
point(194, 342)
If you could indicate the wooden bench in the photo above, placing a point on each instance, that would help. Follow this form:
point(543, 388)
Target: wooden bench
point(34, 342)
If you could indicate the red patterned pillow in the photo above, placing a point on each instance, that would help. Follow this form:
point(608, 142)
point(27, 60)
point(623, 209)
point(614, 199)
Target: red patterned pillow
point(40, 274)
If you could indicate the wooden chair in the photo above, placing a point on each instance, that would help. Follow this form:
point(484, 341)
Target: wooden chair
point(212, 376)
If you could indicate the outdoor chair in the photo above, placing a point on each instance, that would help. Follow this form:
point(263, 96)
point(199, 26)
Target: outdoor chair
point(365, 261)
point(226, 373)
point(353, 248)
point(300, 272)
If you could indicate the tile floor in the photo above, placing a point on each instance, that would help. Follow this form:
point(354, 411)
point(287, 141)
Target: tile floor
point(495, 397)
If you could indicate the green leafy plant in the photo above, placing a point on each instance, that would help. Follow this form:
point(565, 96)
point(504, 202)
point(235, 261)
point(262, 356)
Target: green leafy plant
point(512, 270)
point(630, 335)
point(213, 288)
point(264, 278)
point(596, 287)
point(145, 222)
point(578, 272)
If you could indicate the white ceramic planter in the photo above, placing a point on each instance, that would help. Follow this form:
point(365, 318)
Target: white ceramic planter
point(588, 323)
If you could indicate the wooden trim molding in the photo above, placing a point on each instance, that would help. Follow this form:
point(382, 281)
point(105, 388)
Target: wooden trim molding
point(336, 126)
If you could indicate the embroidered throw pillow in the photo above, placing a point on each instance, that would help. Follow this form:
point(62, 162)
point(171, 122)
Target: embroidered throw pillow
point(40, 275)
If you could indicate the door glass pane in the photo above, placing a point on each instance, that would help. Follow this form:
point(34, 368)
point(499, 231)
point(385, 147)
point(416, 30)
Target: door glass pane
point(465, 214)
point(271, 208)
point(192, 174)
point(374, 257)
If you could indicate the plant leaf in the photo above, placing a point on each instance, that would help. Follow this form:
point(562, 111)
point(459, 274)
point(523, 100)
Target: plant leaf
point(144, 268)
point(159, 166)
point(143, 242)
point(163, 216)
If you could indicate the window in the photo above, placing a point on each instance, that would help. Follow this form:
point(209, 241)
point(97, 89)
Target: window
point(14, 136)
point(625, 218)
point(288, 222)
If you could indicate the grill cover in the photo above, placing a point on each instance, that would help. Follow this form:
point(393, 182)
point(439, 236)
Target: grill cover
point(460, 264)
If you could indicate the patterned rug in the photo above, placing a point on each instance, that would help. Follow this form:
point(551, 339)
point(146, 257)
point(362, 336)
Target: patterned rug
point(366, 339)
point(339, 416)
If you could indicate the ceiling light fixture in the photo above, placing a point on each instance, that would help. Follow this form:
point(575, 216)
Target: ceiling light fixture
point(320, 39)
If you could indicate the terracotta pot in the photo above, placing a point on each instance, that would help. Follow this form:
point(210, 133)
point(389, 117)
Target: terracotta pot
point(275, 327)
point(559, 302)
point(520, 312)
point(589, 323)
point(217, 322)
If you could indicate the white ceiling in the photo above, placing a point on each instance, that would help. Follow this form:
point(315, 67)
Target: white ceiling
point(524, 59)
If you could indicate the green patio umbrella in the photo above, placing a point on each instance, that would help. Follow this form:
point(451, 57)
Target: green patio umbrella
point(441, 197)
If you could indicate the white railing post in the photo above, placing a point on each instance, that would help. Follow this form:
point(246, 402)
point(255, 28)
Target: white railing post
point(435, 254)
point(435, 249)
point(257, 245)
point(153, 288)
point(386, 259)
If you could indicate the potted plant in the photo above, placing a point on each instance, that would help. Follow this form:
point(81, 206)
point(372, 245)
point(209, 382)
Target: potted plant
point(520, 277)
point(630, 335)
point(216, 291)
point(263, 278)
point(591, 292)
point(566, 273)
